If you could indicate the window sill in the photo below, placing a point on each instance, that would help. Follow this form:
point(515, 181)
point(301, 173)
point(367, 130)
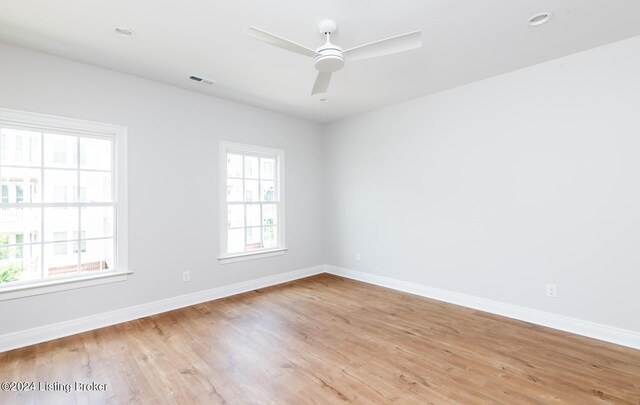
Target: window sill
point(49, 286)
point(251, 256)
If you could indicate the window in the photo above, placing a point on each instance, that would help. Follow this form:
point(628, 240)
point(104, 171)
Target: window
point(33, 190)
point(63, 184)
point(60, 249)
point(18, 148)
point(60, 151)
point(83, 238)
point(60, 194)
point(19, 247)
point(82, 193)
point(19, 194)
point(251, 202)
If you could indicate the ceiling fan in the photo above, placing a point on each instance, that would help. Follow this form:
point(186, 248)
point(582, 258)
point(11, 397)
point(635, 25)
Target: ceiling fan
point(330, 58)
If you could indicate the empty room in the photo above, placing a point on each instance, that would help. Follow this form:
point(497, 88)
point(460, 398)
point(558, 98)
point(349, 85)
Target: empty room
point(291, 202)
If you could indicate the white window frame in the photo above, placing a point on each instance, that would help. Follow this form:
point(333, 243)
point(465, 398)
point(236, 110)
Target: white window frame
point(42, 122)
point(244, 149)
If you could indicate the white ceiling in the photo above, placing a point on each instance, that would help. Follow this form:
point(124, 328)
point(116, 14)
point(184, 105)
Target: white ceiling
point(463, 41)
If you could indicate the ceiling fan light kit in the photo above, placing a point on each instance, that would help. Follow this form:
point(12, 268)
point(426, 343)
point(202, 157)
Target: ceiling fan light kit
point(330, 58)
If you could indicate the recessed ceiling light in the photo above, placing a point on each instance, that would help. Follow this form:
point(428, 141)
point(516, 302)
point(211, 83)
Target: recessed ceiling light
point(539, 19)
point(124, 32)
point(324, 99)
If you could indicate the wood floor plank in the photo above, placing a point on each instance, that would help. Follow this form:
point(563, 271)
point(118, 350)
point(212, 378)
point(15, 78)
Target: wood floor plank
point(327, 340)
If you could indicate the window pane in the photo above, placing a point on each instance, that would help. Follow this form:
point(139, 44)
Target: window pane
point(97, 222)
point(58, 221)
point(250, 167)
point(251, 190)
point(267, 190)
point(235, 240)
point(235, 216)
point(234, 165)
point(234, 190)
point(59, 259)
point(267, 168)
point(20, 147)
point(98, 256)
point(253, 238)
point(21, 185)
point(10, 269)
point(269, 214)
point(14, 268)
point(60, 151)
point(95, 153)
point(253, 214)
point(95, 186)
point(270, 236)
point(59, 185)
point(19, 220)
point(62, 248)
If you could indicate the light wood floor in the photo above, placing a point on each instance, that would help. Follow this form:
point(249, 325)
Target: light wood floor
point(326, 340)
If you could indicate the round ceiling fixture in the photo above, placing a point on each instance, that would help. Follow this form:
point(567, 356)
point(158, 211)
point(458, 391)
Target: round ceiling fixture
point(540, 18)
point(124, 32)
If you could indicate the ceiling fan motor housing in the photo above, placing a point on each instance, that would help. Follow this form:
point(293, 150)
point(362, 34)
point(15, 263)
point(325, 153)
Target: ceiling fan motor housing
point(329, 59)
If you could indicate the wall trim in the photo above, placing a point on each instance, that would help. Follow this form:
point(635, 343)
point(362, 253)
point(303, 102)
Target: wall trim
point(568, 324)
point(15, 340)
point(593, 330)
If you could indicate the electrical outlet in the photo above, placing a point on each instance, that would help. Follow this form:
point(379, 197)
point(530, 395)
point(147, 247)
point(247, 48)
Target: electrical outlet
point(357, 257)
point(186, 276)
point(552, 290)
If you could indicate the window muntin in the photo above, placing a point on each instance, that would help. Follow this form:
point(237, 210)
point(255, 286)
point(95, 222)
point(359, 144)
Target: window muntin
point(252, 203)
point(59, 199)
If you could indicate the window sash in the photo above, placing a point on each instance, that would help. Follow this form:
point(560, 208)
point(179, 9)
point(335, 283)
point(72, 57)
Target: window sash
point(250, 151)
point(45, 125)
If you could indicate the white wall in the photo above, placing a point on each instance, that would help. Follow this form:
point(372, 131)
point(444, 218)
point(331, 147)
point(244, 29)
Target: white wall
point(173, 188)
point(496, 188)
point(492, 189)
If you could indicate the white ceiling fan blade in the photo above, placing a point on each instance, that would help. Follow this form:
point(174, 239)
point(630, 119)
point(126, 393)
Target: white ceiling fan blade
point(383, 47)
point(280, 42)
point(322, 83)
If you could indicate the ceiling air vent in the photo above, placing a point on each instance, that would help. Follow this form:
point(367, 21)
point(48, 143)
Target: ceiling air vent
point(202, 80)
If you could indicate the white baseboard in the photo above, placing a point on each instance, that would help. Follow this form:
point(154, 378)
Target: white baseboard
point(573, 325)
point(45, 333)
